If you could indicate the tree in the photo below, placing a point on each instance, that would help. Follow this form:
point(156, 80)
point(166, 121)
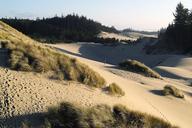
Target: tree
point(181, 15)
point(190, 18)
point(61, 29)
point(178, 35)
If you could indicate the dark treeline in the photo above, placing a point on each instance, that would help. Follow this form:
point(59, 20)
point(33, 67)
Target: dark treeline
point(63, 29)
point(178, 36)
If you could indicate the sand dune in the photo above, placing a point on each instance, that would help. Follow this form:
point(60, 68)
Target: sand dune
point(24, 94)
point(142, 93)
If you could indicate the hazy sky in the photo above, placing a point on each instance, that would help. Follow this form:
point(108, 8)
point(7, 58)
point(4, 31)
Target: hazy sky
point(137, 14)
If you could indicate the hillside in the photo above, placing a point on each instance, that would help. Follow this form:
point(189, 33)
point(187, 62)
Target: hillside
point(34, 77)
point(25, 54)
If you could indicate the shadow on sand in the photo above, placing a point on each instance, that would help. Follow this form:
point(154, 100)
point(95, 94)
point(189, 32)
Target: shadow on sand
point(167, 74)
point(3, 57)
point(34, 120)
point(157, 92)
point(115, 54)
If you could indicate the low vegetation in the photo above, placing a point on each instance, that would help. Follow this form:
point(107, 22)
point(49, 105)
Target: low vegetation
point(171, 90)
point(28, 55)
point(114, 89)
point(138, 67)
point(101, 116)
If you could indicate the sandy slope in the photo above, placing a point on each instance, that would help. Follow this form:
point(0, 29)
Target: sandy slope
point(26, 95)
point(23, 94)
point(180, 66)
point(142, 93)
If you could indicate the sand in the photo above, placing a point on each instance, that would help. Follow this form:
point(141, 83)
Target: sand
point(138, 35)
point(27, 95)
point(142, 93)
point(116, 36)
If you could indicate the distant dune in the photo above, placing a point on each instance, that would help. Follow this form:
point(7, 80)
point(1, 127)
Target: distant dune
point(116, 36)
point(139, 34)
point(132, 36)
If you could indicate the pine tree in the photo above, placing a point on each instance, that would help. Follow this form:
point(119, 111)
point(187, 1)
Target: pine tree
point(190, 18)
point(181, 15)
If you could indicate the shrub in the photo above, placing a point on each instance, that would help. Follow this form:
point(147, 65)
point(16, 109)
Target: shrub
point(99, 116)
point(171, 90)
point(26, 54)
point(133, 119)
point(152, 122)
point(103, 116)
point(114, 89)
point(127, 118)
point(138, 67)
point(70, 115)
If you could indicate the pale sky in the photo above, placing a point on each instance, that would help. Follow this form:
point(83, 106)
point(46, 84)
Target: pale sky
point(136, 14)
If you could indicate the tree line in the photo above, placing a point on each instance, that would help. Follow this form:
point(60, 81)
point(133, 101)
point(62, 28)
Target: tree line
point(178, 35)
point(61, 29)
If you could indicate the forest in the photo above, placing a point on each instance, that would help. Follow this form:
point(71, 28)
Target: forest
point(70, 28)
point(177, 37)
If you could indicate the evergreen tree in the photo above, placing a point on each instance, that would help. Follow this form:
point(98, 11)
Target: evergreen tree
point(190, 18)
point(178, 35)
point(181, 15)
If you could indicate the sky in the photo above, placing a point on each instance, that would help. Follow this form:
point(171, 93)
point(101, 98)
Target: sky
point(136, 14)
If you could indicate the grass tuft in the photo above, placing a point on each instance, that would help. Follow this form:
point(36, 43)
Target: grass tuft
point(102, 116)
point(171, 90)
point(114, 89)
point(138, 67)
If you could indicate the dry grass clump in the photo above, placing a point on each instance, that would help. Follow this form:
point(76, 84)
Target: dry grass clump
point(26, 54)
point(171, 90)
point(114, 89)
point(68, 115)
point(138, 67)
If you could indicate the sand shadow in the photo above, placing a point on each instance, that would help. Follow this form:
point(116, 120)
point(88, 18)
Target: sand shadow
point(91, 52)
point(34, 120)
point(157, 92)
point(188, 93)
point(3, 57)
point(167, 74)
point(68, 52)
point(114, 54)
